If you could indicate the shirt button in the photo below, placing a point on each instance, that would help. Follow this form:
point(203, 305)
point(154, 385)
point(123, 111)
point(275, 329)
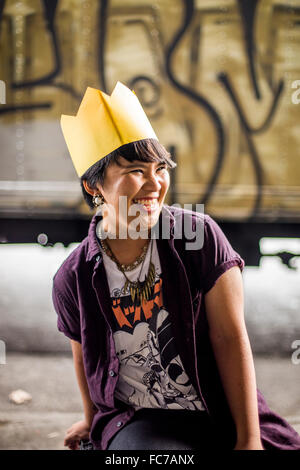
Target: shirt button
point(112, 373)
point(119, 424)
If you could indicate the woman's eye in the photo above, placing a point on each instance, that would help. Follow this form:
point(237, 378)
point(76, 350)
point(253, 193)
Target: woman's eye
point(163, 167)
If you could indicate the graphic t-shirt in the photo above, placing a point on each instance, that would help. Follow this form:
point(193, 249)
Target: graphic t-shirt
point(151, 373)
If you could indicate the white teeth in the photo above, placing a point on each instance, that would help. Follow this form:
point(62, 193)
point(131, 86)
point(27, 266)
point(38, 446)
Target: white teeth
point(146, 202)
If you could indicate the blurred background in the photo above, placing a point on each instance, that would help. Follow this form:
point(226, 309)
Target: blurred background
point(220, 83)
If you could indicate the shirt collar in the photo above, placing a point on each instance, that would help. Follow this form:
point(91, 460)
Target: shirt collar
point(94, 246)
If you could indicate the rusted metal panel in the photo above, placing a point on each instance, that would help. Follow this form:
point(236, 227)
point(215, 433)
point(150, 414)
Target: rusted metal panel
point(218, 80)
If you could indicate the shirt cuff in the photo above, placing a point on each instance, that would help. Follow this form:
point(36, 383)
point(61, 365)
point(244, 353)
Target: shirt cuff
point(222, 268)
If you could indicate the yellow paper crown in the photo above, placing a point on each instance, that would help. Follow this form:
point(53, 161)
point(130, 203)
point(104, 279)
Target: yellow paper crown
point(104, 123)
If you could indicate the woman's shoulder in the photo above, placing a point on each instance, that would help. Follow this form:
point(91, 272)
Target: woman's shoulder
point(187, 223)
point(185, 213)
point(178, 210)
point(179, 214)
point(76, 261)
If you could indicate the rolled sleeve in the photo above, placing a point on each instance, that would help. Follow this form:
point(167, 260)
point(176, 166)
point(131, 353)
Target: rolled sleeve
point(68, 316)
point(219, 256)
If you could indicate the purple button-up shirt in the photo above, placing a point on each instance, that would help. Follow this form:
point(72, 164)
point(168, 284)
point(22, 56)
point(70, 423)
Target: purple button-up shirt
point(82, 302)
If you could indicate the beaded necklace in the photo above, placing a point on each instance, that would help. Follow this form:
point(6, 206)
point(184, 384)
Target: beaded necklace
point(136, 288)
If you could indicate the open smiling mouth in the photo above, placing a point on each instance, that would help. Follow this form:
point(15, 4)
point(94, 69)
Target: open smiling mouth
point(148, 204)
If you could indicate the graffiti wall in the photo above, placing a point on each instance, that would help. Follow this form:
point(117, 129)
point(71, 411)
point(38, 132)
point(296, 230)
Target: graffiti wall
point(219, 80)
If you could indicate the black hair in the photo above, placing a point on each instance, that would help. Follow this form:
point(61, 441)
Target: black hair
point(146, 150)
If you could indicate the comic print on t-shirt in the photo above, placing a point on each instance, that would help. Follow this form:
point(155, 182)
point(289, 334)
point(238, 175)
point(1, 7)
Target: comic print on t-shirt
point(151, 373)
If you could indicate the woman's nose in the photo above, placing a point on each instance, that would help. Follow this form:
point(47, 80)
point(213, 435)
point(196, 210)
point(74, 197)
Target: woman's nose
point(153, 182)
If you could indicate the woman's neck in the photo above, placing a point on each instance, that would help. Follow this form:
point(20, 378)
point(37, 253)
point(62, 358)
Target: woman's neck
point(127, 250)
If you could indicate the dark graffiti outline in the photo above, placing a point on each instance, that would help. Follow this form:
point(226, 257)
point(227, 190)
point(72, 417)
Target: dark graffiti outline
point(199, 99)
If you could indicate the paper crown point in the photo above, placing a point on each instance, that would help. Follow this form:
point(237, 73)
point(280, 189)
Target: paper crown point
point(104, 123)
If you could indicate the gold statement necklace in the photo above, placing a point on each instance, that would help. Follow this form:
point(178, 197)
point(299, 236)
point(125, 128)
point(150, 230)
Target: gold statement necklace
point(137, 288)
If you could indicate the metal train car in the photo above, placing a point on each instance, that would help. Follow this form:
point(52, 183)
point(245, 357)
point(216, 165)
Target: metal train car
point(219, 80)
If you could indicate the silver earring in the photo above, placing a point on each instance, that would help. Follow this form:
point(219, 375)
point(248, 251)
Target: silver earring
point(98, 200)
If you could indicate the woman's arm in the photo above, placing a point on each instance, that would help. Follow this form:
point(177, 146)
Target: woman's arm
point(225, 313)
point(80, 430)
point(88, 405)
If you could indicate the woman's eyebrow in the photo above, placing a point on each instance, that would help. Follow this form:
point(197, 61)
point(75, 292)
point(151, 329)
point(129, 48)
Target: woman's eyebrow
point(133, 165)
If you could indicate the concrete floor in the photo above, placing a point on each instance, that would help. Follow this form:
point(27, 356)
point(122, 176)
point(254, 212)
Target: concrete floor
point(56, 402)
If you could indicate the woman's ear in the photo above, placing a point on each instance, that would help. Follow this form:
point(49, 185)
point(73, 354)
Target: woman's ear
point(89, 190)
